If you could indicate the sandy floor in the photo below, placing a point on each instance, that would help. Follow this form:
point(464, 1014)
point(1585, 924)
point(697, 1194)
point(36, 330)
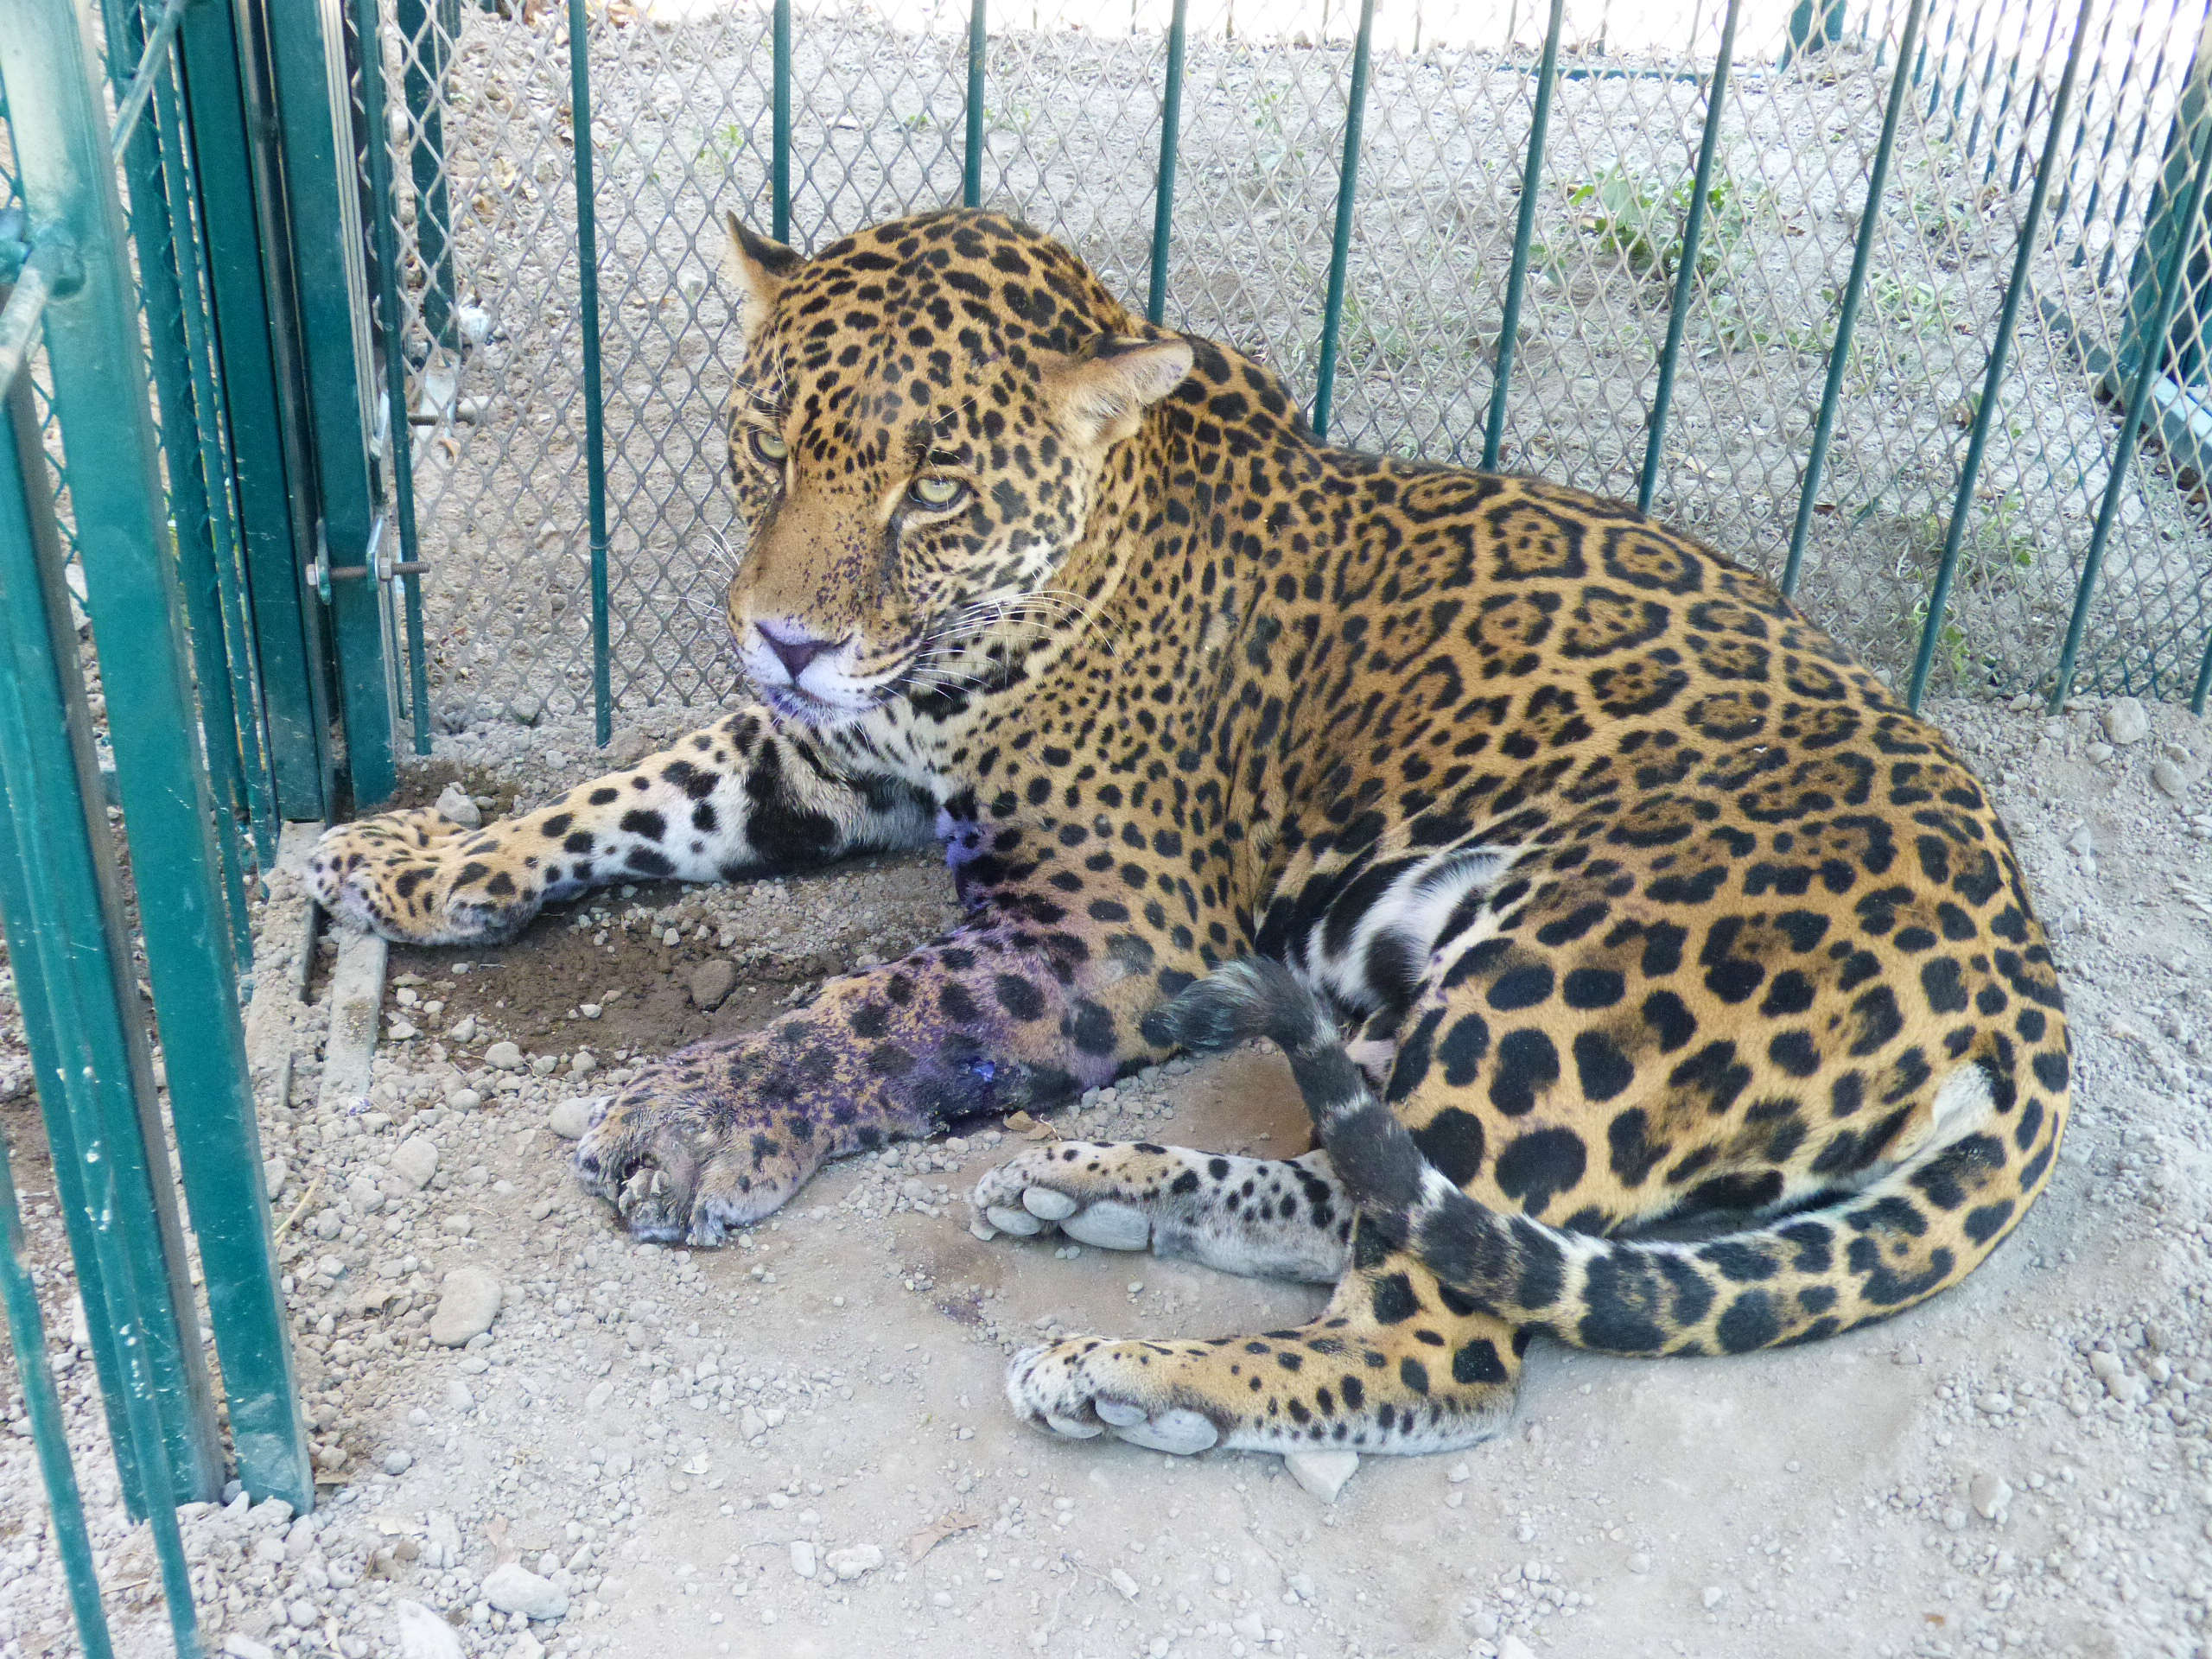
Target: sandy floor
point(797, 1446)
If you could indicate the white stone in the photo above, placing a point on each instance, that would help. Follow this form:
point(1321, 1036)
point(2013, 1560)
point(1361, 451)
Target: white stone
point(414, 1160)
point(1511, 1646)
point(513, 1588)
point(2126, 722)
point(466, 1306)
point(273, 1173)
point(849, 1564)
point(803, 1558)
point(569, 1118)
point(1322, 1473)
point(423, 1634)
point(2170, 779)
point(237, 1645)
point(1990, 1495)
point(503, 1057)
point(1710, 1595)
point(463, 1030)
point(455, 805)
point(1121, 1581)
point(441, 1543)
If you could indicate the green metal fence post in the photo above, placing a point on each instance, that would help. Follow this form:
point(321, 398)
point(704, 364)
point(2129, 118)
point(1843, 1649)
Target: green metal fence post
point(1662, 394)
point(156, 221)
point(1846, 319)
point(101, 397)
point(971, 166)
point(306, 57)
point(1163, 200)
point(2204, 687)
point(1524, 229)
point(2163, 228)
point(399, 442)
point(602, 684)
point(61, 903)
point(1325, 378)
point(41, 1401)
point(426, 31)
point(2174, 282)
point(779, 100)
point(240, 200)
point(184, 1463)
point(1939, 596)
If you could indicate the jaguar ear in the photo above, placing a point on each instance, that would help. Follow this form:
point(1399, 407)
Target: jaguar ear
point(757, 269)
point(1103, 392)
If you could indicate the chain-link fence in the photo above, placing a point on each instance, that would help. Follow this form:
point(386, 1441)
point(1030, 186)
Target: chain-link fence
point(1869, 468)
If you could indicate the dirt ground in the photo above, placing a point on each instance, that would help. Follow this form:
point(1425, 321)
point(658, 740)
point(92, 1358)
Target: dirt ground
point(797, 1446)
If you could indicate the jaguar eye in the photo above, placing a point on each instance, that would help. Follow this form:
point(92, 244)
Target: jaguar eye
point(770, 448)
point(935, 491)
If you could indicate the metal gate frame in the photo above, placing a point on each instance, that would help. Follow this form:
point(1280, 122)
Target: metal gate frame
point(187, 284)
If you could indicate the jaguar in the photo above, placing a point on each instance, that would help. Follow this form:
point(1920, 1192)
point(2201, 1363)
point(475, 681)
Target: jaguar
point(1657, 982)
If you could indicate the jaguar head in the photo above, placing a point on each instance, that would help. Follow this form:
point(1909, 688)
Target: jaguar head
point(924, 418)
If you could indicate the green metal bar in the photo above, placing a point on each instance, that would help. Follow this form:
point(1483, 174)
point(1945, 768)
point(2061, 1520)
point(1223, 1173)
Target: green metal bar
point(215, 461)
point(132, 596)
point(153, 50)
point(780, 158)
point(1678, 316)
point(2176, 280)
point(307, 55)
point(1939, 596)
point(161, 289)
point(233, 126)
point(2163, 227)
point(399, 446)
point(103, 404)
point(425, 37)
point(971, 169)
point(2196, 697)
point(20, 318)
point(602, 688)
point(1332, 315)
point(42, 1402)
point(1854, 288)
point(1163, 200)
point(1524, 231)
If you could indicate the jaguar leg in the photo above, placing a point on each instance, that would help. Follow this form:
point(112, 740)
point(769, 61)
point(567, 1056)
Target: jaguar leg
point(1259, 1218)
point(1397, 1364)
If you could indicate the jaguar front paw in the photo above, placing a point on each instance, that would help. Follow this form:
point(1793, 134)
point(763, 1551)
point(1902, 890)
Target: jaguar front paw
point(683, 1163)
point(421, 879)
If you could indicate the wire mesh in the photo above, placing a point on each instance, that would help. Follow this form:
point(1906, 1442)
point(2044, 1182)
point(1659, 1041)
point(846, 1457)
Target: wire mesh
point(1071, 125)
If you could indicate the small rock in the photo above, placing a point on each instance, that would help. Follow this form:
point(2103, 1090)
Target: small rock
point(441, 1543)
point(513, 1588)
point(1990, 1495)
point(546, 1065)
point(711, 984)
point(503, 1057)
point(1511, 1646)
point(526, 710)
point(1639, 1563)
point(1996, 1402)
point(414, 1160)
point(802, 1558)
point(397, 1462)
point(467, 1306)
point(1322, 1473)
point(2081, 844)
point(423, 1634)
point(1710, 1595)
point(238, 1646)
point(2100, 753)
point(273, 1173)
point(1121, 1581)
point(464, 1100)
point(2170, 779)
point(571, 1118)
point(2126, 722)
point(849, 1564)
point(463, 1030)
point(458, 1398)
point(455, 805)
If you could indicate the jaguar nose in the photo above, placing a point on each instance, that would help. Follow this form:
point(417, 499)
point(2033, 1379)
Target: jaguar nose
point(794, 647)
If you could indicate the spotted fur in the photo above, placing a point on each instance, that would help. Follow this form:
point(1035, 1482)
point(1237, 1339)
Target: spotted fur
point(1637, 898)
